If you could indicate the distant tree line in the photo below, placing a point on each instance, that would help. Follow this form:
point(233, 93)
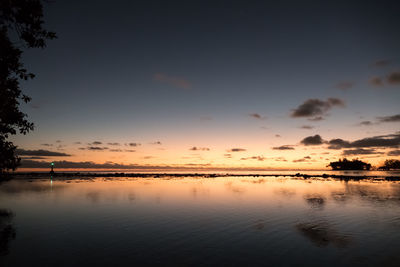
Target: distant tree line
point(356, 164)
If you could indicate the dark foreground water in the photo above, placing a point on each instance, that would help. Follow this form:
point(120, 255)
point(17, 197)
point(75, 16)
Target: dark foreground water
point(229, 221)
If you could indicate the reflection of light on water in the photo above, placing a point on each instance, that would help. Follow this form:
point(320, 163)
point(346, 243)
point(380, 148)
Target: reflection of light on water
point(51, 183)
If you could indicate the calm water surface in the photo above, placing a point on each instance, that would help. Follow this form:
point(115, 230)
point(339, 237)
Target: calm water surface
point(231, 221)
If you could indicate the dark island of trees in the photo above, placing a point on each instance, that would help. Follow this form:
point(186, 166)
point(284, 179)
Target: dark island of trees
point(345, 164)
point(390, 164)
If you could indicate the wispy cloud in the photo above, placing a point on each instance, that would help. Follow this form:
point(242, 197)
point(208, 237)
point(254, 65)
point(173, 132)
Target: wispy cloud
point(195, 148)
point(285, 147)
point(172, 80)
point(384, 141)
point(344, 85)
point(360, 151)
point(257, 116)
point(376, 81)
point(236, 150)
point(114, 144)
point(40, 153)
point(259, 158)
point(307, 127)
point(96, 148)
point(156, 143)
point(133, 144)
point(381, 63)
point(394, 118)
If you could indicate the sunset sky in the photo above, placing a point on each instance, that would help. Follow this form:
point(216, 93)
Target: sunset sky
point(214, 84)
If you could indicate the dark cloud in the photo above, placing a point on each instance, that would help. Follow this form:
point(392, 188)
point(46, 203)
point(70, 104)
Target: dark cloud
point(58, 141)
point(130, 150)
point(278, 135)
point(381, 63)
point(96, 148)
point(97, 143)
point(40, 153)
point(259, 158)
point(344, 85)
point(195, 148)
point(236, 150)
point(338, 143)
point(394, 118)
point(175, 81)
point(82, 148)
point(394, 78)
point(391, 140)
point(360, 151)
point(376, 81)
point(312, 140)
point(113, 144)
point(257, 116)
point(394, 153)
point(134, 144)
point(285, 147)
point(316, 109)
point(279, 159)
point(307, 127)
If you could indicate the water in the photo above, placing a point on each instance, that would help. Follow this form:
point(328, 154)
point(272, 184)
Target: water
point(230, 221)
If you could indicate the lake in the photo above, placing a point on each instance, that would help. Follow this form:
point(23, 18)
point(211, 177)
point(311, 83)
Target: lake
point(192, 221)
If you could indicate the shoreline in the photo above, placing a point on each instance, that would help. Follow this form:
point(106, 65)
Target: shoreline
point(73, 175)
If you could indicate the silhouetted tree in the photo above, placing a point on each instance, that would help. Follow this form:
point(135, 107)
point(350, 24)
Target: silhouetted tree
point(22, 19)
point(391, 164)
point(346, 164)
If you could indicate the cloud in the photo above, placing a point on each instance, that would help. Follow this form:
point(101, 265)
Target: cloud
point(307, 127)
point(129, 150)
point(195, 148)
point(360, 151)
point(96, 143)
point(338, 143)
point(77, 143)
point(236, 150)
point(285, 147)
point(278, 135)
point(46, 145)
point(259, 158)
point(394, 153)
point(305, 159)
point(344, 85)
point(394, 78)
point(394, 118)
point(113, 144)
point(40, 153)
point(316, 109)
point(391, 140)
point(312, 140)
point(156, 143)
point(175, 81)
point(116, 150)
point(257, 116)
point(381, 63)
point(96, 148)
point(228, 156)
point(134, 144)
point(366, 123)
point(58, 141)
point(376, 81)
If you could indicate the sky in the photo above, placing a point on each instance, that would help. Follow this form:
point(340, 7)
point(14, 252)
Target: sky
point(214, 84)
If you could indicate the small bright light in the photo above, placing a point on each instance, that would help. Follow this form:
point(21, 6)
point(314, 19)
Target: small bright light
point(52, 164)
